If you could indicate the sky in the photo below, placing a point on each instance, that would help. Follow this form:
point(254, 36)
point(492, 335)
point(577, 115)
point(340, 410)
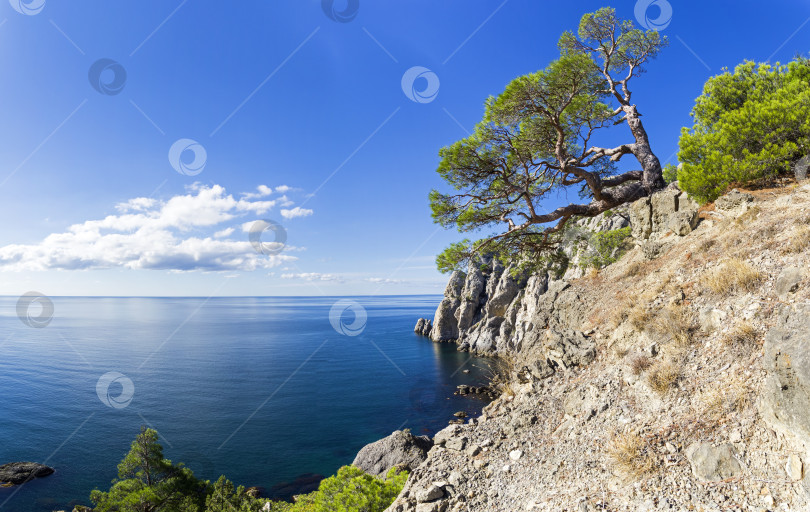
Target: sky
point(198, 148)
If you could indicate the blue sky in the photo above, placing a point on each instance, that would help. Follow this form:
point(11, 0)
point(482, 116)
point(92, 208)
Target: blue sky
point(297, 118)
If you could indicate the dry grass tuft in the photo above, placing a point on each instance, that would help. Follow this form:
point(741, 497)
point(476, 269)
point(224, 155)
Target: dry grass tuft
point(676, 322)
point(742, 335)
point(663, 375)
point(640, 363)
point(639, 316)
point(705, 245)
point(632, 270)
point(799, 241)
point(726, 397)
point(748, 217)
point(732, 276)
point(631, 455)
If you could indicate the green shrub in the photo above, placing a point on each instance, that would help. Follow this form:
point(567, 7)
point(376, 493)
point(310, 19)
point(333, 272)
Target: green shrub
point(149, 483)
point(351, 490)
point(670, 173)
point(605, 247)
point(749, 125)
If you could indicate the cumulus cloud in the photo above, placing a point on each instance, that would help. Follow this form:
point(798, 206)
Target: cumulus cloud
point(283, 189)
point(261, 191)
point(225, 233)
point(312, 276)
point(296, 212)
point(152, 234)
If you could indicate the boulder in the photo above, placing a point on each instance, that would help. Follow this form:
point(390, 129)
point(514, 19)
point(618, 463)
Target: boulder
point(788, 282)
point(785, 399)
point(794, 467)
point(667, 210)
point(683, 222)
point(732, 200)
point(399, 449)
point(16, 473)
point(432, 493)
point(652, 249)
point(423, 327)
point(711, 319)
point(711, 463)
point(800, 168)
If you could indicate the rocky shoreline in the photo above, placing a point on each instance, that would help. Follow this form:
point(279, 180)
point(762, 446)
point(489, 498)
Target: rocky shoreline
point(674, 379)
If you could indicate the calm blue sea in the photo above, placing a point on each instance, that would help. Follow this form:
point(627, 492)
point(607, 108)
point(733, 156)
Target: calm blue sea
point(264, 390)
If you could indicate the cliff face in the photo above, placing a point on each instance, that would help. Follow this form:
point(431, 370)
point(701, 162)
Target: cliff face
point(674, 379)
point(489, 311)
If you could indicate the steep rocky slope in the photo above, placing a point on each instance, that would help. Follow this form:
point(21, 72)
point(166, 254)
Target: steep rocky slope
point(677, 378)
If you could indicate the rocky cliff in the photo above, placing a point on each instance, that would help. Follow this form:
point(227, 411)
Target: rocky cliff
point(675, 378)
point(489, 310)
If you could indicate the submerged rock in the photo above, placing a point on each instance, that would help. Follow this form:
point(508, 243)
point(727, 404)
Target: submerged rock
point(16, 473)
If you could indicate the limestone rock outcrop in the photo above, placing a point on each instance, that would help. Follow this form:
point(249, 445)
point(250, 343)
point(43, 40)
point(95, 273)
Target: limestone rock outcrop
point(400, 449)
point(785, 400)
point(423, 327)
point(17, 473)
point(445, 323)
point(669, 210)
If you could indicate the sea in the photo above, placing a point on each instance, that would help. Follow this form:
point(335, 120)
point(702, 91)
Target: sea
point(273, 392)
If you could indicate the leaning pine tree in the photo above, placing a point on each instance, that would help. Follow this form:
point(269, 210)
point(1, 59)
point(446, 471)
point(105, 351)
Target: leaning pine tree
point(535, 140)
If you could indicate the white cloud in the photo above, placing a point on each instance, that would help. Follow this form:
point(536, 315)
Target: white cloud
point(296, 212)
point(313, 276)
point(284, 201)
point(262, 191)
point(136, 204)
point(283, 189)
point(151, 234)
point(225, 233)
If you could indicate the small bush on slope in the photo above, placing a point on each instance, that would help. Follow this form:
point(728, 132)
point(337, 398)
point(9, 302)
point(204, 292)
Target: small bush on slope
point(606, 247)
point(351, 490)
point(749, 124)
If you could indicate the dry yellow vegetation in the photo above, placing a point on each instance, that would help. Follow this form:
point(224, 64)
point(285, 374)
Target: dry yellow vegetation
point(732, 276)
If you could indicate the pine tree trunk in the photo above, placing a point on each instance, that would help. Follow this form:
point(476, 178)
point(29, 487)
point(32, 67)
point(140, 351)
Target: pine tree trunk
point(653, 178)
